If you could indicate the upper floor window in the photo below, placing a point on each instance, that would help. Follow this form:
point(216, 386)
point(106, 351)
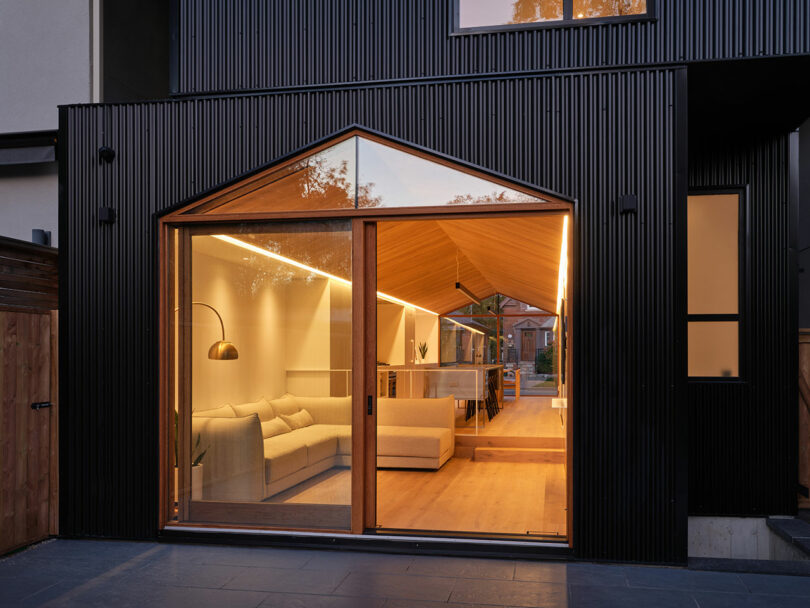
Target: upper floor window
point(479, 14)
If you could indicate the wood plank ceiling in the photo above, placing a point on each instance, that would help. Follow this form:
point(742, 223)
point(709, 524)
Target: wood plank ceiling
point(418, 261)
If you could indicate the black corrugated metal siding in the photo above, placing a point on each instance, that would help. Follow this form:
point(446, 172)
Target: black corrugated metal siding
point(743, 436)
point(591, 136)
point(254, 44)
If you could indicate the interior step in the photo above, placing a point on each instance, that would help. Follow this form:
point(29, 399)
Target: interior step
point(481, 441)
point(535, 455)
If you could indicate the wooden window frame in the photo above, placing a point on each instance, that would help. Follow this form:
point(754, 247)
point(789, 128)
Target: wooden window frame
point(567, 20)
point(743, 264)
point(364, 222)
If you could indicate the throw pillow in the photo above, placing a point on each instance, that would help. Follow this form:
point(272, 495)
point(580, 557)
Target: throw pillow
point(261, 407)
point(299, 420)
point(226, 411)
point(276, 426)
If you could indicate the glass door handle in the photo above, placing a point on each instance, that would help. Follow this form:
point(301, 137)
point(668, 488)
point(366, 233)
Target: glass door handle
point(370, 405)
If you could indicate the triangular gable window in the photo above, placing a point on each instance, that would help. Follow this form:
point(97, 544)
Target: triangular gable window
point(359, 170)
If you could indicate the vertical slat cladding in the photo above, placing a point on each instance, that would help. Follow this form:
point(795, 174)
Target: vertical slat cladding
point(591, 136)
point(747, 431)
point(252, 44)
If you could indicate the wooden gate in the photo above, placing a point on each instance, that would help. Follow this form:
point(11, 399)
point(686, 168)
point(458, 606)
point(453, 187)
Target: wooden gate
point(28, 394)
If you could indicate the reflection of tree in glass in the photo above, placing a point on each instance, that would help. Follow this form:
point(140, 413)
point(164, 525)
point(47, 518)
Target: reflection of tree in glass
point(329, 185)
point(532, 11)
point(584, 9)
point(504, 196)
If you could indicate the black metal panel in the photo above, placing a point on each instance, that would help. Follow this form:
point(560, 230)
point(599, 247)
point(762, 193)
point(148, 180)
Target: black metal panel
point(591, 136)
point(255, 44)
point(743, 435)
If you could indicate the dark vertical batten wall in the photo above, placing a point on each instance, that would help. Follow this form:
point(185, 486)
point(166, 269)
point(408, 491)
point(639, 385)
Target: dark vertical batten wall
point(590, 136)
point(743, 435)
point(255, 44)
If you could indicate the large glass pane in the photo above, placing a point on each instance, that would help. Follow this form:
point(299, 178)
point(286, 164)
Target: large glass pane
point(482, 13)
point(324, 180)
point(713, 254)
point(714, 349)
point(589, 9)
point(264, 424)
point(389, 177)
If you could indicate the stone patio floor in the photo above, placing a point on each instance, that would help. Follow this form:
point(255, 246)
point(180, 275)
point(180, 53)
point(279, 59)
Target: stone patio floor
point(118, 574)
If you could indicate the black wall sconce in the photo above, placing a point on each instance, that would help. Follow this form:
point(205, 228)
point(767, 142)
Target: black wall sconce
point(628, 203)
point(106, 215)
point(105, 154)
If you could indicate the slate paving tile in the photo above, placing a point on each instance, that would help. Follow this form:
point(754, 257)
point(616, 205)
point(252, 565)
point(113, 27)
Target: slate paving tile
point(396, 586)
point(777, 585)
point(686, 580)
point(287, 580)
point(463, 568)
point(294, 600)
point(575, 574)
point(589, 596)
point(126, 596)
point(257, 557)
point(510, 593)
point(420, 604)
point(359, 562)
point(185, 575)
point(748, 600)
point(14, 589)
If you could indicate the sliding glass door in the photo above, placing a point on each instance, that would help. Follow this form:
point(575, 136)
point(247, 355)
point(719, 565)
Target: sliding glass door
point(261, 326)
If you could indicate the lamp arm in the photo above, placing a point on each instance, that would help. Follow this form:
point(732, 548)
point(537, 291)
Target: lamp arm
point(221, 324)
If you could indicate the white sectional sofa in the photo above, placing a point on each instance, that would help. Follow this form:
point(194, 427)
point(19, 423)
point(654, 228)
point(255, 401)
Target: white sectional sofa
point(256, 450)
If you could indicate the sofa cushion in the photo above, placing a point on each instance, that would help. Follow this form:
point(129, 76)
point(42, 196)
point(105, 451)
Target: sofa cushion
point(283, 455)
point(298, 420)
point(321, 442)
point(261, 407)
point(343, 432)
point(424, 442)
point(226, 411)
point(285, 405)
point(274, 427)
point(327, 410)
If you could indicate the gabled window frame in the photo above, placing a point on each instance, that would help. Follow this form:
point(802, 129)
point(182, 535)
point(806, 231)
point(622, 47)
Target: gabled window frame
point(567, 20)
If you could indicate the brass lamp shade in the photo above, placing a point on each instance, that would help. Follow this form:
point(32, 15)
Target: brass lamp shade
point(223, 351)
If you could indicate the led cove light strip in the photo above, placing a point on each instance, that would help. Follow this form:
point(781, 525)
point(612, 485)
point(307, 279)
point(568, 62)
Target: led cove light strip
point(312, 269)
point(561, 280)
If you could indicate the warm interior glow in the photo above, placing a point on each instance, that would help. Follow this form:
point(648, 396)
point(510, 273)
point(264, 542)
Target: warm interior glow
point(312, 269)
point(562, 278)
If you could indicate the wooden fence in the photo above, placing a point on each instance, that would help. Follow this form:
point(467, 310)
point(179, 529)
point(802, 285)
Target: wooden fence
point(28, 393)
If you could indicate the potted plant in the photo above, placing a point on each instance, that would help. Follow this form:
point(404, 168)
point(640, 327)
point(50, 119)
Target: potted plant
point(197, 456)
point(423, 349)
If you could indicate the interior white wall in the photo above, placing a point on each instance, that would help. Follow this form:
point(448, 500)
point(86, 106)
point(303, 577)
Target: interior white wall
point(255, 320)
point(390, 333)
point(307, 335)
point(426, 329)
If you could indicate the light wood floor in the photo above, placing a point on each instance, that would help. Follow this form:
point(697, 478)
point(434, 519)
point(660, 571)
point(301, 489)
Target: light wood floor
point(527, 416)
point(463, 496)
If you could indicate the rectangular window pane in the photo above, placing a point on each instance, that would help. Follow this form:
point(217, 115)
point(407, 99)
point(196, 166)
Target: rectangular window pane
point(265, 425)
point(482, 13)
point(714, 349)
point(713, 254)
point(590, 9)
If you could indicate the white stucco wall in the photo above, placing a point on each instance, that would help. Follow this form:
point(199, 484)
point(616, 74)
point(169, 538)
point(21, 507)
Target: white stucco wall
point(45, 60)
point(46, 49)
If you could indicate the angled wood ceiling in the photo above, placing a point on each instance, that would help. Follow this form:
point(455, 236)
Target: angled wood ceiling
point(515, 256)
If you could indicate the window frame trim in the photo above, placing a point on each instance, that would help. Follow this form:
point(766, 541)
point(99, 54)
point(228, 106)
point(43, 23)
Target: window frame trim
point(567, 20)
point(743, 263)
